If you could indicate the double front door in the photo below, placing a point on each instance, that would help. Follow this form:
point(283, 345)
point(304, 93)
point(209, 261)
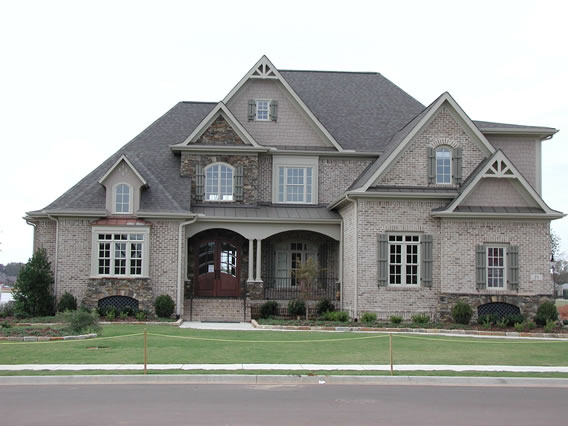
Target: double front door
point(217, 268)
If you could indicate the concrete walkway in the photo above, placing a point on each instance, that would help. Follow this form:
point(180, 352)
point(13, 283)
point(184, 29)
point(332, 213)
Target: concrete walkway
point(283, 367)
point(198, 325)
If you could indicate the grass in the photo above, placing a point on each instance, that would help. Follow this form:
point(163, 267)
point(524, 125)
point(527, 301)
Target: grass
point(225, 347)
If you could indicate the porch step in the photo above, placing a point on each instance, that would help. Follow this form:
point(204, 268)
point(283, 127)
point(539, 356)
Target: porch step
point(216, 309)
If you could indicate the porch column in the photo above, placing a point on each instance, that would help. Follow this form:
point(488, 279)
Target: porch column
point(251, 261)
point(258, 261)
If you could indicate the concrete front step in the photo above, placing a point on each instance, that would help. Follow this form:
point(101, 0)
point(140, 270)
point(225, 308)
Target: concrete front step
point(216, 309)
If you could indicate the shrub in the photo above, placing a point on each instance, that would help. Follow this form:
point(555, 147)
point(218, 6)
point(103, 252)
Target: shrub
point(368, 317)
point(5, 324)
point(296, 307)
point(324, 305)
point(549, 326)
point(502, 323)
point(546, 311)
point(526, 325)
point(67, 302)
point(420, 319)
point(336, 316)
point(7, 309)
point(80, 322)
point(111, 314)
point(462, 312)
point(164, 306)
point(395, 319)
point(129, 311)
point(123, 315)
point(141, 316)
point(513, 319)
point(488, 319)
point(32, 291)
point(269, 309)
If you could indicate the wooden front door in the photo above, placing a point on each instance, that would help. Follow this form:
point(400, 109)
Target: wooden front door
point(217, 268)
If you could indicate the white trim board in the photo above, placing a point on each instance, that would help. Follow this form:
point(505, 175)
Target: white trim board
point(129, 164)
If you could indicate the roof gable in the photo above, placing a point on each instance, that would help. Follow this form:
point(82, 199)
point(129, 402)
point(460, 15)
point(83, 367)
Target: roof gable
point(123, 162)
point(401, 140)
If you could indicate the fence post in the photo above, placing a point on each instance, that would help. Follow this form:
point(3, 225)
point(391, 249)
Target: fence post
point(145, 350)
point(390, 352)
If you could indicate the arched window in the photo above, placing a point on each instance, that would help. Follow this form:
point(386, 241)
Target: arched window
point(219, 182)
point(444, 165)
point(122, 198)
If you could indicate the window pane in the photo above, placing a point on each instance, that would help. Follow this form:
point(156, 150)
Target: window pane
point(443, 165)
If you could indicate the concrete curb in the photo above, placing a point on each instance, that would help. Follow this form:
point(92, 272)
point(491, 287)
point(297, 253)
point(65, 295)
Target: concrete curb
point(429, 331)
point(284, 380)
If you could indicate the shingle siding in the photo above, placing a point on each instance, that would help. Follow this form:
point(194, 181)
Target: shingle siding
point(498, 193)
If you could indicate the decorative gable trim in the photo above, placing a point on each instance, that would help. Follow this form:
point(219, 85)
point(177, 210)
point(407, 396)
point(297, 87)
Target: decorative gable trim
point(500, 167)
point(219, 110)
point(264, 69)
point(129, 164)
point(444, 100)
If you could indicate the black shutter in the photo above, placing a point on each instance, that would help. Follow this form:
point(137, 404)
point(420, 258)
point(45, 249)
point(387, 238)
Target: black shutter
point(431, 166)
point(238, 183)
point(513, 266)
point(251, 109)
point(458, 166)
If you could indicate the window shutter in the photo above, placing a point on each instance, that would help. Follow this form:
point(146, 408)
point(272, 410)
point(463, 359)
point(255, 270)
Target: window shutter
point(480, 267)
point(427, 260)
point(274, 110)
point(252, 110)
point(383, 254)
point(458, 153)
point(238, 183)
point(513, 253)
point(199, 182)
point(431, 165)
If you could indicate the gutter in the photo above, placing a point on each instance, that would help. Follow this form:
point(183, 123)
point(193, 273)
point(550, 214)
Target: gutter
point(179, 310)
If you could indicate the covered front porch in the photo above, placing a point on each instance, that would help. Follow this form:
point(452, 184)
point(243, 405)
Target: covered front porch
point(231, 266)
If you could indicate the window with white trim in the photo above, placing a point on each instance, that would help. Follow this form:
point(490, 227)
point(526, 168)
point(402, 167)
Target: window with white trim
point(262, 110)
point(404, 258)
point(443, 165)
point(295, 184)
point(120, 253)
point(219, 182)
point(122, 198)
point(496, 266)
point(290, 256)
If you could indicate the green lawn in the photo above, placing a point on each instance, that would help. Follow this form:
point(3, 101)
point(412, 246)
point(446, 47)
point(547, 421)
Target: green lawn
point(278, 347)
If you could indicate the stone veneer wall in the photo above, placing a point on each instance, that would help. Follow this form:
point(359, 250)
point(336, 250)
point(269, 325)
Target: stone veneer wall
point(380, 216)
point(250, 172)
point(411, 168)
point(219, 133)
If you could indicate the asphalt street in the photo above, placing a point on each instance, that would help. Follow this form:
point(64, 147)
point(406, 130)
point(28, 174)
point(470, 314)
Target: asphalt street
point(152, 404)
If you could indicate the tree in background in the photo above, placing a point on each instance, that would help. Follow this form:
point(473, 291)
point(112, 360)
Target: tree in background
point(554, 244)
point(33, 289)
point(12, 269)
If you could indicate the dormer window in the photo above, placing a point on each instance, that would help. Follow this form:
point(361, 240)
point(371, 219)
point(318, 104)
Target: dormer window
point(262, 110)
point(443, 165)
point(122, 199)
point(219, 182)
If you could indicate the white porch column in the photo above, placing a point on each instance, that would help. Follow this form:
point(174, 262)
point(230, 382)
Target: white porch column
point(251, 261)
point(258, 261)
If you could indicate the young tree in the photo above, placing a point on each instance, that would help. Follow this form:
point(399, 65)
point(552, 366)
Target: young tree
point(307, 275)
point(33, 288)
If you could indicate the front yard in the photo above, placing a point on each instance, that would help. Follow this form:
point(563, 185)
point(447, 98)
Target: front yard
point(123, 344)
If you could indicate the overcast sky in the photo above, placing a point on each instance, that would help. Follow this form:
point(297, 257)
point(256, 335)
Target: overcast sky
point(80, 79)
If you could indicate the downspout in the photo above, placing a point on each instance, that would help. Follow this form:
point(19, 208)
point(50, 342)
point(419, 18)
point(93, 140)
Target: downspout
point(55, 279)
point(180, 247)
point(356, 263)
point(341, 253)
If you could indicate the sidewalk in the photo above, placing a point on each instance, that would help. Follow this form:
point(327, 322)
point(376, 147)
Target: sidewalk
point(283, 367)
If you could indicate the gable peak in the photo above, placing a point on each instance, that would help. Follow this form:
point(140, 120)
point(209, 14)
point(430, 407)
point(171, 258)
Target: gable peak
point(264, 70)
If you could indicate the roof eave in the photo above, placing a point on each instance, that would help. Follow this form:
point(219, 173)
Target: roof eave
point(214, 148)
point(484, 215)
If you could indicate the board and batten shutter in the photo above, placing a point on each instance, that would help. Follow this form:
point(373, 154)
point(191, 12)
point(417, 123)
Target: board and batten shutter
point(238, 181)
point(427, 261)
point(199, 182)
point(274, 110)
point(251, 109)
point(383, 257)
point(513, 272)
point(431, 166)
point(480, 268)
point(458, 166)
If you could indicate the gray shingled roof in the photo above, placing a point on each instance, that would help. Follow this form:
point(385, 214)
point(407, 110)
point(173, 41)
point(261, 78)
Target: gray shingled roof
point(150, 154)
point(488, 126)
point(361, 110)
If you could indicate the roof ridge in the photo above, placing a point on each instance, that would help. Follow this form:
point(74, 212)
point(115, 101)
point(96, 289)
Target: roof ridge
point(335, 72)
point(198, 102)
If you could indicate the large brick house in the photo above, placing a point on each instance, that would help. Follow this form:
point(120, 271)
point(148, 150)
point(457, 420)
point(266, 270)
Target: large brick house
point(404, 208)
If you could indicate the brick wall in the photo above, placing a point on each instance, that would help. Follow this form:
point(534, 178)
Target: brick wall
point(349, 257)
point(336, 175)
point(163, 257)
point(411, 168)
point(44, 237)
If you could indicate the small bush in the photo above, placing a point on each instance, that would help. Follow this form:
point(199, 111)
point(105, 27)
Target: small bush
point(488, 319)
point(8, 309)
point(549, 326)
point(395, 319)
point(111, 314)
point(526, 325)
point(336, 316)
point(67, 303)
point(123, 315)
point(129, 311)
point(164, 306)
point(81, 322)
point(502, 323)
point(514, 318)
point(296, 307)
point(546, 311)
point(368, 317)
point(462, 313)
point(324, 305)
point(5, 324)
point(141, 316)
point(269, 309)
point(420, 319)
